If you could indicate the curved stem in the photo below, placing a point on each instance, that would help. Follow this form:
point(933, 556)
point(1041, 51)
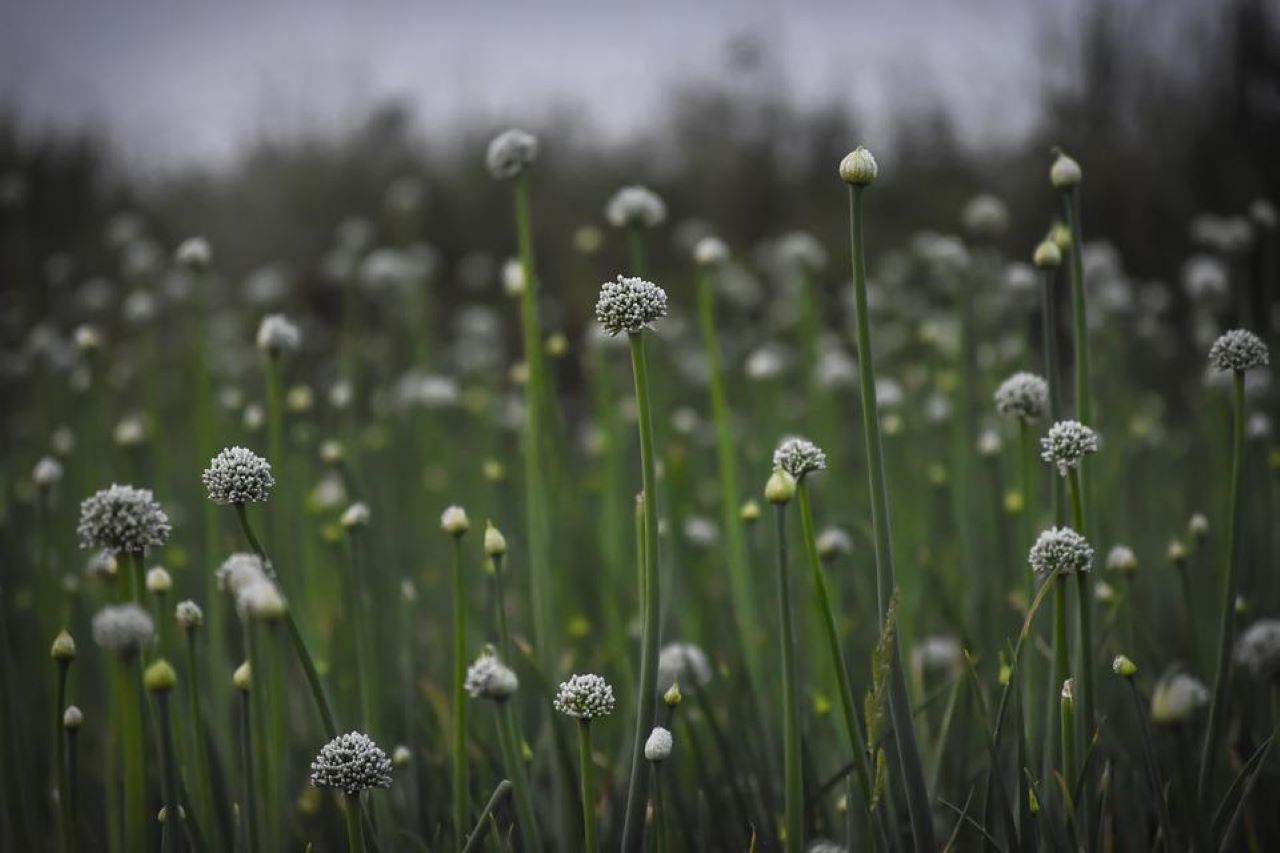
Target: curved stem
point(637, 794)
point(793, 782)
point(899, 701)
point(1217, 710)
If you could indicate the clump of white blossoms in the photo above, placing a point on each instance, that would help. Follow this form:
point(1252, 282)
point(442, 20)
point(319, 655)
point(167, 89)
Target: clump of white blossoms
point(710, 252)
point(635, 207)
point(1239, 350)
point(585, 697)
point(124, 629)
point(682, 663)
point(47, 472)
point(658, 745)
point(630, 305)
point(194, 254)
point(834, 542)
point(351, 763)
point(1024, 396)
point(238, 476)
point(1177, 698)
point(1060, 549)
point(510, 153)
point(490, 678)
point(799, 456)
point(1122, 559)
point(278, 334)
point(122, 519)
point(984, 215)
point(1259, 649)
point(188, 614)
point(1066, 445)
point(260, 599)
point(238, 571)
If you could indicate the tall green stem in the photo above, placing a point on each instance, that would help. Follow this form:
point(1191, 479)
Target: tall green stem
point(793, 781)
point(351, 813)
point(740, 583)
point(853, 725)
point(173, 819)
point(586, 768)
point(509, 741)
point(1084, 665)
point(1217, 710)
point(460, 809)
point(246, 758)
point(899, 702)
point(1079, 316)
point(204, 779)
point(136, 816)
point(536, 403)
point(60, 757)
point(637, 793)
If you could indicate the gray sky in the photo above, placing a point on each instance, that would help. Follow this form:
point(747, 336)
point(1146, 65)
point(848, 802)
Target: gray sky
point(179, 81)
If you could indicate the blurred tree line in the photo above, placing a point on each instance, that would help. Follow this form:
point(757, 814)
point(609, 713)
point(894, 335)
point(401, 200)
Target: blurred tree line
point(1166, 123)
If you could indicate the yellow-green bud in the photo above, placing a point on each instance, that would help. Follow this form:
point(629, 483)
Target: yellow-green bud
point(159, 580)
point(1068, 694)
point(1123, 666)
point(1060, 235)
point(1177, 551)
point(1065, 172)
point(1047, 255)
point(242, 677)
point(72, 718)
point(1199, 527)
point(454, 521)
point(401, 756)
point(495, 544)
point(673, 696)
point(64, 648)
point(858, 168)
point(493, 471)
point(781, 487)
point(557, 345)
point(160, 677)
point(750, 512)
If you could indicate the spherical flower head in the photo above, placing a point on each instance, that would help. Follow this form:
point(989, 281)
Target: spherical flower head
point(710, 252)
point(47, 473)
point(1047, 255)
point(798, 456)
point(1177, 698)
point(682, 663)
point(159, 581)
point(630, 305)
point(356, 516)
point(1060, 549)
point(72, 718)
point(1066, 445)
point(401, 756)
point(454, 521)
point(1024, 396)
point(351, 763)
point(658, 746)
point(63, 649)
point(1258, 649)
point(834, 542)
point(490, 678)
point(749, 512)
point(238, 571)
point(510, 153)
point(858, 168)
point(1239, 350)
point(585, 697)
point(801, 251)
point(1198, 526)
point(237, 475)
point(194, 254)
point(635, 207)
point(189, 615)
point(123, 628)
point(985, 216)
point(1122, 559)
point(1065, 172)
point(278, 334)
point(160, 677)
point(122, 519)
point(260, 599)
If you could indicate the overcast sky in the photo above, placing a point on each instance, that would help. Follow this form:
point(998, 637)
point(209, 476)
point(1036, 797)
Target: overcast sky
point(180, 81)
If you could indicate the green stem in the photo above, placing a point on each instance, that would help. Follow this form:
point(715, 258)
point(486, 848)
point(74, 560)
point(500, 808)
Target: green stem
point(1153, 769)
point(359, 600)
point(136, 817)
point(586, 767)
point(853, 725)
point(637, 795)
point(512, 757)
point(1084, 606)
point(740, 582)
point(246, 758)
point(1061, 671)
point(1217, 709)
point(264, 749)
point(351, 812)
point(793, 782)
point(500, 609)
point(169, 775)
point(899, 702)
point(536, 403)
point(318, 694)
point(459, 697)
point(1084, 398)
point(203, 771)
point(482, 825)
point(60, 759)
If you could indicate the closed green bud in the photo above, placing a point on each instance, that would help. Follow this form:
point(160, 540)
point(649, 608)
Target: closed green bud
point(160, 677)
point(495, 544)
point(64, 648)
point(673, 696)
point(242, 677)
point(1123, 666)
point(1047, 255)
point(781, 487)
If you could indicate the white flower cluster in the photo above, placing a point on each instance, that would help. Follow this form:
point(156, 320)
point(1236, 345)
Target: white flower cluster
point(122, 519)
point(585, 697)
point(1023, 395)
point(124, 629)
point(1240, 350)
point(1061, 549)
point(1066, 445)
point(798, 456)
point(238, 476)
point(632, 207)
point(490, 678)
point(351, 763)
point(630, 305)
point(510, 153)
